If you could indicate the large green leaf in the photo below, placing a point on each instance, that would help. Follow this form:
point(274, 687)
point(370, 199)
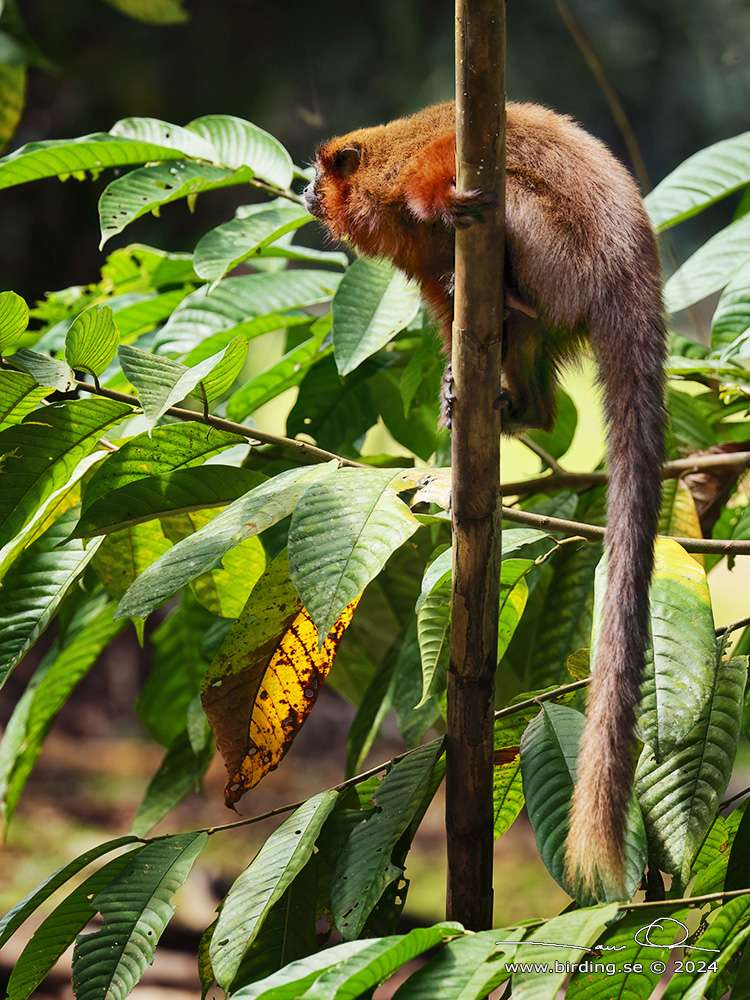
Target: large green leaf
point(710, 267)
point(135, 907)
point(203, 551)
point(174, 492)
point(433, 634)
point(19, 395)
point(287, 932)
point(148, 188)
point(162, 383)
point(239, 144)
point(174, 446)
point(548, 765)
point(263, 883)
point(236, 302)
point(726, 935)
point(342, 532)
point(681, 675)
point(51, 939)
point(152, 11)
point(51, 372)
point(64, 665)
point(31, 902)
point(467, 968)
point(179, 773)
point(680, 794)
point(700, 180)
point(291, 982)
point(540, 978)
point(91, 341)
point(166, 134)
point(63, 157)
point(14, 318)
point(40, 454)
point(373, 302)
point(361, 973)
point(34, 587)
point(365, 867)
point(226, 246)
point(635, 940)
point(284, 374)
point(731, 317)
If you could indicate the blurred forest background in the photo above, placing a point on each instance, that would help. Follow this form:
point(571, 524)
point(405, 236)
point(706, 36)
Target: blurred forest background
point(681, 69)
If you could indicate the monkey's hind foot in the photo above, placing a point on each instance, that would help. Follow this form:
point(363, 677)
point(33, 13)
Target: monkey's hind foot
point(463, 210)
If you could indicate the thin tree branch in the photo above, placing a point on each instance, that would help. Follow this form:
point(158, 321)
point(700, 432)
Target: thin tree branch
point(585, 480)
point(521, 706)
point(733, 626)
point(591, 533)
point(304, 451)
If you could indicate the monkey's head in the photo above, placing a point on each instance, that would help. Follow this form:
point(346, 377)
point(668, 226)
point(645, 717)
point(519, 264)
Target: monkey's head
point(331, 196)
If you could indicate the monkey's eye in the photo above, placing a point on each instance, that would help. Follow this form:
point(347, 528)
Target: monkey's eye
point(346, 161)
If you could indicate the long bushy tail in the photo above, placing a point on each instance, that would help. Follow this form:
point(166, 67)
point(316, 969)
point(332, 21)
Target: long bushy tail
point(628, 338)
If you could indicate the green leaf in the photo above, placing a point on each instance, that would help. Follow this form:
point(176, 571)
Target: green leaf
point(548, 766)
point(161, 133)
point(179, 774)
point(52, 938)
point(335, 414)
point(291, 982)
point(63, 157)
point(263, 883)
point(360, 973)
point(514, 593)
point(726, 934)
point(126, 553)
point(41, 454)
point(224, 589)
point(162, 383)
point(56, 677)
point(287, 933)
point(626, 946)
point(174, 446)
point(174, 492)
point(241, 144)
point(31, 902)
point(286, 373)
point(467, 968)
point(203, 551)
point(711, 267)
point(373, 302)
point(19, 395)
point(14, 318)
point(690, 428)
point(91, 341)
point(135, 907)
point(236, 302)
point(178, 666)
point(738, 863)
point(152, 11)
point(226, 246)
point(365, 866)
point(53, 373)
point(148, 188)
point(342, 532)
point(700, 181)
point(680, 675)
point(557, 441)
point(12, 99)
point(34, 587)
point(580, 927)
point(731, 317)
point(680, 794)
point(433, 633)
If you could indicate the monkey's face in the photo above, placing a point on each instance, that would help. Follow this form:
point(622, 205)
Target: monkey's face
point(329, 197)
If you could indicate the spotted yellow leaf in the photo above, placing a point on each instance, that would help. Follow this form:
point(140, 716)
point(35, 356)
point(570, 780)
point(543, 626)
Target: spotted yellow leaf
point(265, 679)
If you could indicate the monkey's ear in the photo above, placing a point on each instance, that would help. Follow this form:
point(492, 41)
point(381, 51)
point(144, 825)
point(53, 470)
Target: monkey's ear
point(347, 161)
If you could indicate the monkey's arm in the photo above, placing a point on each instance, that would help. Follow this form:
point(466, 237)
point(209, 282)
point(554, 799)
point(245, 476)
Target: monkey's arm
point(427, 184)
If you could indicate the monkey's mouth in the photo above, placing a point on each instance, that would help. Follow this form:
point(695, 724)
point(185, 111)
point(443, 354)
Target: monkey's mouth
point(312, 202)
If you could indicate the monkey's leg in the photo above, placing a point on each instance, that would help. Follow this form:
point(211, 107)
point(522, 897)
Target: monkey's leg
point(529, 387)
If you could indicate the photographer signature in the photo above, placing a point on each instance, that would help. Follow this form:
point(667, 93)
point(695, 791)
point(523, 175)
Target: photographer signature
point(641, 937)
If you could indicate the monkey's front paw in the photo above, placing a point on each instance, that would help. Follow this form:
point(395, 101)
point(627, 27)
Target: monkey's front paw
point(504, 401)
point(463, 210)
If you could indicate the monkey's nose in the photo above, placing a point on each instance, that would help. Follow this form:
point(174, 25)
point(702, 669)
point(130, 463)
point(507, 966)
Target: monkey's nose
point(310, 198)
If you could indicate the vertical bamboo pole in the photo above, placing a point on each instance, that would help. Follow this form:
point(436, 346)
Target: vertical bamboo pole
point(476, 497)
